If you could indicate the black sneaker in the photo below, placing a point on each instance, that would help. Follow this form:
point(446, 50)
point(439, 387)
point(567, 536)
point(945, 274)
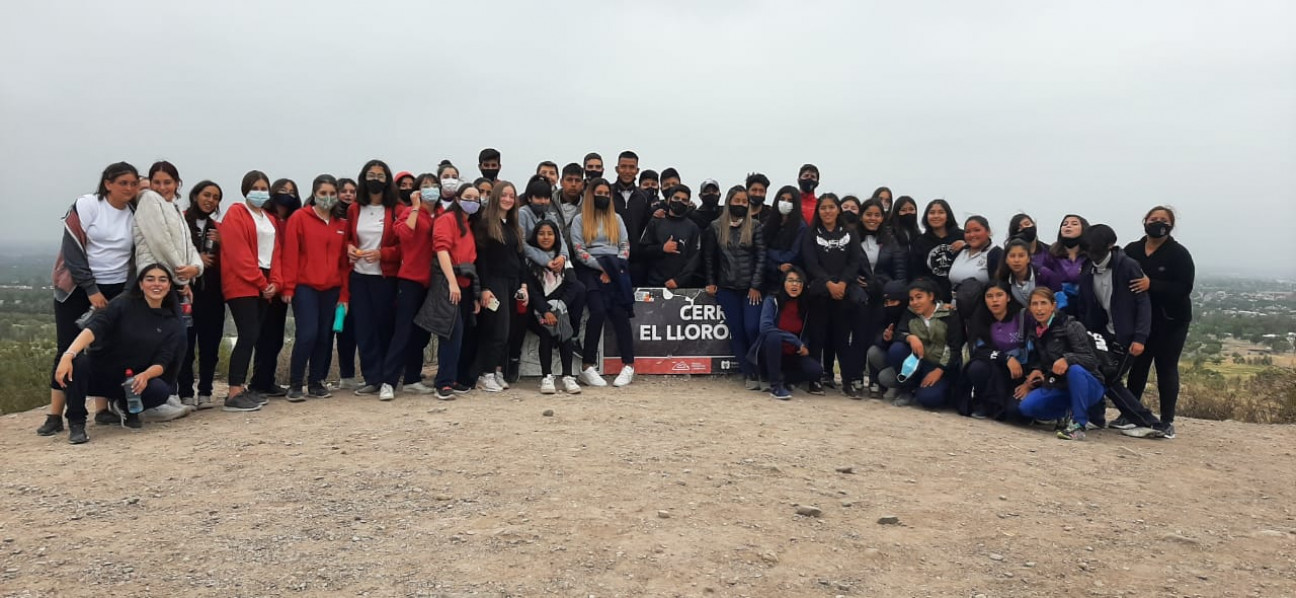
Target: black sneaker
point(815, 388)
point(107, 417)
point(513, 371)
point(53, 425)
point(243, 402)
point(318, 391)
point(260, 399)
point(77, 433)
point(1167, 430)
point(295, 395)
point(275, 391)
point(852, 390)
point(828, 382)
point(132, 421)
point(445, 393)
point(460, 389)
point(1121, 424)
point(368, 389)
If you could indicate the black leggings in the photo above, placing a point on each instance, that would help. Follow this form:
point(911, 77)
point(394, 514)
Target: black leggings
point(547, 343)
point(248, 312)
point(269, 343)
point(493, 326)
point(66, 314)
point(1164, 346)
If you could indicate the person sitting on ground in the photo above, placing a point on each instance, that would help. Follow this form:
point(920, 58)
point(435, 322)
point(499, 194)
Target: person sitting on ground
point(780, 348)
point(928, 349)
point(994, 379)
point(1064, 375)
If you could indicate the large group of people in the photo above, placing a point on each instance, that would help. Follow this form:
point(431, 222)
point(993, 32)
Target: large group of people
point(874, 296)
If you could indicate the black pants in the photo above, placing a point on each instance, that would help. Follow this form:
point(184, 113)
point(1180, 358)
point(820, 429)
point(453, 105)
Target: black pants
point(988, 387)
point(93, 377)
point(346, 348)
point(547, 344)
point(1165, 345)
point(404, 355)
point(373, 303)
point(602, 309)
point(66, 314)
point(269, 344)
point(248, 312)
point(1129, 406)
point(864, 330)
point(493, 326)
point(205, 335)
point(830, 323)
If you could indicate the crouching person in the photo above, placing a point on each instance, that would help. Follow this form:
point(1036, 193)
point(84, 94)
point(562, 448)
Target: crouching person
point(927, 352)
point(779, 349)
point(139, 332)
point(1065, 376)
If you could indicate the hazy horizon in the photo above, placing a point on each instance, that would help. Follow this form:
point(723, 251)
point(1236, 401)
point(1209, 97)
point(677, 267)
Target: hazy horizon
point(1103, 109)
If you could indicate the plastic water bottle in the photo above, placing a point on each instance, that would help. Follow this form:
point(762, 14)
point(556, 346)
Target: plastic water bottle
point(186, 310)
point(339, 318)
point(134, 403)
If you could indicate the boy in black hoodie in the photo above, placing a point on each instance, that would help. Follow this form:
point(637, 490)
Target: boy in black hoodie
point(671, 246)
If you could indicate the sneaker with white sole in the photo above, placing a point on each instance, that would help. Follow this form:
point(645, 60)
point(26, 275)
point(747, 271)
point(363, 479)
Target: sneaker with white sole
point(368, 389)
point(590, 377)
point(163, 413)
point(348, 383)
point(189, 402)
point(419, 388)
point(487, 383)
point(570, 386)
point(625, 377)
point(386, 393)
point(499, 380)
point(175, 401)
point(547, 386)
point(204, 402)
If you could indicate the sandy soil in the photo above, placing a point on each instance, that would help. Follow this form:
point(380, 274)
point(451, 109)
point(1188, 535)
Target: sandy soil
point(672, 487)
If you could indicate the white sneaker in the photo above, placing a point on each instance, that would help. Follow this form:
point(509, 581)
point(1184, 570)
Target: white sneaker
point(163, 413)
point(570, 386)
point(590, 377)
point(547, 385)
point(386, 393)
point(174, 401)
point(487, 383)
point(348, 383)
point(625, 377)
point(499, 379)
point(419, 388)
point(205, 402)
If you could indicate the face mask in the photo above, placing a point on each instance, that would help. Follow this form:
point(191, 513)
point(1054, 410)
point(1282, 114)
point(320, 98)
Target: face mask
point(287, 200)
point(469, 207)
point(738, 211)
point(1156, 230)
point(490, 173)
point(449, 187)
point(1069, 242)
point(430, 194)
point(908, 220)
point(785, 207)
point(893, 312)
point(539, 210)
point(593, 174)
point(1098, 253)
point(678, 208)
point(849, 218)
point(756, 200)
point(602, 201)
point(710, 199)
point(1026, 234)
point(258, 198)
point(652, 193)
point(807, 185)
point(375, 186)
point(326, 202)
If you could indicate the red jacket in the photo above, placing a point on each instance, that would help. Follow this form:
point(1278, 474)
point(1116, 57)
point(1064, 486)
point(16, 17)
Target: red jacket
point(809, 203)
point(446, 237)
point(389, 247)
point(240, 270)
point(416, 246)
point(313, 254)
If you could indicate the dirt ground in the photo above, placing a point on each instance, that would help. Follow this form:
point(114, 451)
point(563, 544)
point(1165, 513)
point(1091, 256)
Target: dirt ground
point(672, 487)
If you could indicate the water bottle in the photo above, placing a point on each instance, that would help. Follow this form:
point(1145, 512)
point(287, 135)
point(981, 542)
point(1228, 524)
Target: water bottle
point(339, 318)
point(186, 310)
point(134, 403)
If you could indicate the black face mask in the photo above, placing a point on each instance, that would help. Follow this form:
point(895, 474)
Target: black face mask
point(738, 211)
point(375, 186)
point(849, 218)
point(593, 174)
point(1069, 242)
point(807, 185)
point(1026, 234)
point(652, 192)
point(677, 208)
point(602, 201)
point(756, 200)
point(908, 220)
point(892, 313)
point(287, 200)
point(490, 173)
point(710, 199)
point(539, 210)
point(1157, 230)
point(1097, 253)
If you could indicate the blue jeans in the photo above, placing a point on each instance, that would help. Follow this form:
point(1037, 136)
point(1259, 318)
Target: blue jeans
point(743, 320)
point(1082, 391)
point(601, 310)
point(373, 301)
point(788, 369)
point(931, 397)
point(449, 348)
point(313, 312)
point(405, 353)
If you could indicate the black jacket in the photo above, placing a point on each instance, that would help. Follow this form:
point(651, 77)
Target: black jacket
point(923, 254)
point(892, 264)
point(500, 265)
point(682, 267)
point(209, 283)
point(635, 208)
point(1131, 313)
point(704, 215)
point(1066, 339)
point(1172, 273)
point(131, 335)
point(728, 265)
point(831, 256)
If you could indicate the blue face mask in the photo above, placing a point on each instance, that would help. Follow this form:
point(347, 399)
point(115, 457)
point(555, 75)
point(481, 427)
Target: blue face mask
point(908, 368)
point(430, 194)
point(469, 207)
point(258, 198)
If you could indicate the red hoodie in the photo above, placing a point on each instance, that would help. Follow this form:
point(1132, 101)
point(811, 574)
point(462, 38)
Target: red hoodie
point(390, 259)
point(240, 269)
point(462, 248)
point(314, 254)
point(416, 246)
point(808, 206)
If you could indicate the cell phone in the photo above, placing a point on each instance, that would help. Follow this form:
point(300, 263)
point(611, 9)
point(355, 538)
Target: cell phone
point(493, 304)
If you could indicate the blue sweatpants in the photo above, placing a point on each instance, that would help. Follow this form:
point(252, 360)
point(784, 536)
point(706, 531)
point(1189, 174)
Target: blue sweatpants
point(1082, 391)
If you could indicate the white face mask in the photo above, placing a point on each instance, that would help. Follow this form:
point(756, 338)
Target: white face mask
point(785, 207)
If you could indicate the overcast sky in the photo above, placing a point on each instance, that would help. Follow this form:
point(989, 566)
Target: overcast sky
point(1100, 108)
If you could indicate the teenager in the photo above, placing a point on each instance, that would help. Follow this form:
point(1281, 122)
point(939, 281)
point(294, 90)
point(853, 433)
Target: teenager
point(593, 166)
point(926, 354)
point(1064, 376)
point(375, 255)
point(1067, 260)
point(784, 230)
point(140, 333)
point(313, 268)
point(757, 188)
point(994, 380)
point(549, 170)
point(404, 184)
point(1021, 273)
point(933, 252)
point(733, 253)
point(780, 351)
point(902, 222)
point(247, 253)
point(348, 191)
point(551, 292)
point(808, 180)
point(570, 193)
point(882, 260)
point(499, 263)
point(1022, 227)
point(978, 260)
point(488, 163)
point(602, 250)
point(895, 299)
point(832, 256)
point(452, 284)
point(883, 195)
point(708, 208)
point(1168, 277)
point(208, 329)
point(635, 208)
point(672, 246)
point(284, 202)
point(484, 186)
point(92, 267)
